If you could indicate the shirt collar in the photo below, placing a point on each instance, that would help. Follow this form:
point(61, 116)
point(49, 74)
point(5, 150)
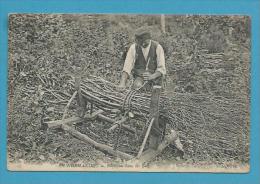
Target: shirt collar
point(148, 47)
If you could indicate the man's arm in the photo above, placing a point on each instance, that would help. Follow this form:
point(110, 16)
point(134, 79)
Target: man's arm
point(161, 69)
point(128, 66)
point(155, 75)
point(160, 60)
point(122, 83)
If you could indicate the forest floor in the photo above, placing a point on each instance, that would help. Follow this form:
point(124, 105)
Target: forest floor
point(45, 51)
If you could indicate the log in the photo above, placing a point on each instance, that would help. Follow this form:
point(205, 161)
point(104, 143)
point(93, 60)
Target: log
point(57, 123)
point(99, 146)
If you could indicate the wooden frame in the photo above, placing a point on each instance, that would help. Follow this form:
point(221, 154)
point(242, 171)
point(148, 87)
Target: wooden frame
point(155, 148)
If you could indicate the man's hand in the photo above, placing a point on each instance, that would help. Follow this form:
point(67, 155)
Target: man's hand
point(121, 87)
point(147, 76)
point(122, 84)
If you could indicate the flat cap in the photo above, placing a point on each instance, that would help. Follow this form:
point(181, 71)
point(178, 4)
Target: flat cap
point(143, 32)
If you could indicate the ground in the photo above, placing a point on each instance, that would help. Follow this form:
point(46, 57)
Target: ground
point(207, 55)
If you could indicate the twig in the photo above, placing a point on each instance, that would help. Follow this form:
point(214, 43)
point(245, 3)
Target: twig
point(68, 104)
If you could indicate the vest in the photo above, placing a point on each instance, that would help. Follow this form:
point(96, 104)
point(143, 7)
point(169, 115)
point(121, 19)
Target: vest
point(140, 62)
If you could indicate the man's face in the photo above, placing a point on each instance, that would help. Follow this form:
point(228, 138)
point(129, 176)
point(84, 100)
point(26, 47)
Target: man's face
point(143, 42)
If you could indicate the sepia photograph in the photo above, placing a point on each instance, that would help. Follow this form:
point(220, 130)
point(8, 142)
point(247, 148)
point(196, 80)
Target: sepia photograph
point(129, 92)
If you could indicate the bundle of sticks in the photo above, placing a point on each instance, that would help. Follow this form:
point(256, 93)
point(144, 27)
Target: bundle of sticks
point(210, 127)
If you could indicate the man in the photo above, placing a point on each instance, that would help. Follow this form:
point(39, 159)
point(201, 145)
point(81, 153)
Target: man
point(145, 60)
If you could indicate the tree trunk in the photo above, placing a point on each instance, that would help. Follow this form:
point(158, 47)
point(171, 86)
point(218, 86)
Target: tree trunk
point(163, 23)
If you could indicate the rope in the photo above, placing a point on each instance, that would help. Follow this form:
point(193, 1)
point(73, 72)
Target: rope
point(129, 96)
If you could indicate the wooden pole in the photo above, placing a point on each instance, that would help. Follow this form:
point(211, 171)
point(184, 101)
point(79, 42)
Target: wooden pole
point(109, 120)
point(145, 138)
point(80, 100)
point(116, 124)
point(102, 147)
point(68, 104)
point(154, 113)
point(163, 23)
point(57, 123)
point(74, 120)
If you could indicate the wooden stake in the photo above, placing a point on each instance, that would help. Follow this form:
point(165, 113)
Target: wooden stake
point(68, 104)
point(154, 113)
point(97, 145)
point(80, 100)
point(145, 138)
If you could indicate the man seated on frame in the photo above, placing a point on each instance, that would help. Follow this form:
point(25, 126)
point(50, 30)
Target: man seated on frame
point(144, 60)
